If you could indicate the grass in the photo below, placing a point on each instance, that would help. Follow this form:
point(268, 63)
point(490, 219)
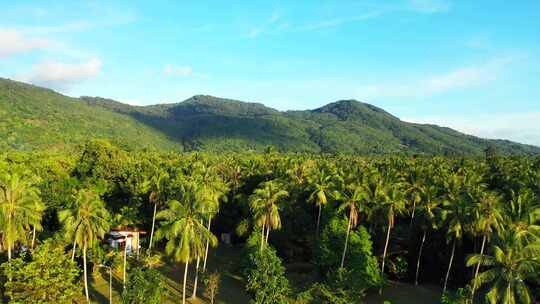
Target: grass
point(225, 260)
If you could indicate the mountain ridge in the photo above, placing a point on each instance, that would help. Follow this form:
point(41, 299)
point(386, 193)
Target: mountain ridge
point(205, 122)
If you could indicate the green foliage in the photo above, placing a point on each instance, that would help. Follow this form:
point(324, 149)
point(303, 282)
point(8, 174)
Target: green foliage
point(460, 296)
point(48, 276)
point(320, 293)
point(33, 117)
point(266, 280)
point(212, 282)
point(361, 266)
point(144, 286)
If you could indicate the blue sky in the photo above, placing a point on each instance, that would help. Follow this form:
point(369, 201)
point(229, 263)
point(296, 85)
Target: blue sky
point(470, 65)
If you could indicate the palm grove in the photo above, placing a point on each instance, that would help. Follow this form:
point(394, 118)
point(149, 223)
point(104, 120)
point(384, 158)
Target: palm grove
point(357, 221)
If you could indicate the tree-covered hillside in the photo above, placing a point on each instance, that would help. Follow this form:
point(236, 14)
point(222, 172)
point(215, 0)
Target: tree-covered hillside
point(33, 117)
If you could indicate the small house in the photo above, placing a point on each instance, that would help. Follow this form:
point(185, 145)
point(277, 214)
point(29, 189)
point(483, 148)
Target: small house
point(126, 239)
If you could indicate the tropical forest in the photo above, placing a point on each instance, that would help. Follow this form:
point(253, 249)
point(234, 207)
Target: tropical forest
point(270, 152)
point(268, 227)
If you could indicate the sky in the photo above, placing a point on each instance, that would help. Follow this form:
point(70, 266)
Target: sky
point(470, 65)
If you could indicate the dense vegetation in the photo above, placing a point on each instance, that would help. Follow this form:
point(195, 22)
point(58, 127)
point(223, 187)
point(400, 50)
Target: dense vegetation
point(469, 225)
point(33, 117)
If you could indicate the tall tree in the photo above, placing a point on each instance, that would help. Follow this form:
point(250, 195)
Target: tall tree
point(20, 207)
point(321, 185)
point(264, 205)
point(488, 220)
point(182, 227)
point(87, 221)
point(156, 185)
point(390, 205)
point(508, 269)
point(457, 216)
point(353, 202)
point(430, 214)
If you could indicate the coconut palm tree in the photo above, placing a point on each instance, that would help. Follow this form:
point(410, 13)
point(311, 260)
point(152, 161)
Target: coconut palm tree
point(211, 190)
point(264, 205)
point(156, 186)
point(414, 189)
point(183, 228)
point(457, 217)
point(390, 204)
point(523, 213)
point(488, 219)
point(353, 201)
point(87, 221)
point(429, 213)
point(507, 269)
point(321, 185)
point(20, 207)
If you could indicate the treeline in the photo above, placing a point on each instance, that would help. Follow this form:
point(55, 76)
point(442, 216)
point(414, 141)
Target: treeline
point(358, 221)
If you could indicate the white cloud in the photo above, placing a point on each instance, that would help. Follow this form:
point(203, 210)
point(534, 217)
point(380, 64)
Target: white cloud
point(339, 21)
point(520, 127)
point(180, 71)
point(461, 78)
point(14, 42)
point(61, 76)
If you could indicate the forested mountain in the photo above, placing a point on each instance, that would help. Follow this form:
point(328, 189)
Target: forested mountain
point(32, 117)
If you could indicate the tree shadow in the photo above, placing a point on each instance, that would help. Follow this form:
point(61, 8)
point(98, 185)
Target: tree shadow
point(96, 295)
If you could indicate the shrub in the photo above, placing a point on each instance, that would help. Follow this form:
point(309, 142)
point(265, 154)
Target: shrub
point(266, 281)
point(362, 270)
point(48, 276)
point(144, 286)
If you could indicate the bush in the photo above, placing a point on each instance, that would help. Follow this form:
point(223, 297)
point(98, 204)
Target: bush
point(144, 286)
point(48, 276)
point(265, 275)
point(362, 269)
point(320, 293)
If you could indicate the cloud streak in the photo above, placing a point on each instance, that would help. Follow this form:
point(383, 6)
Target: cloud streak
point(14, 42)
point(461, 78)
point(521, 127)
point(179, 71)
point(61, 76)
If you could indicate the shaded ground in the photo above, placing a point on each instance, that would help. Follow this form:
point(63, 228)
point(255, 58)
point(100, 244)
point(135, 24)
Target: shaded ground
point(401, 293)
point(226, 260)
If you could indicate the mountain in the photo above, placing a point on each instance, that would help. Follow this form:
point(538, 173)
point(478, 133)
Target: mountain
point(33, 117)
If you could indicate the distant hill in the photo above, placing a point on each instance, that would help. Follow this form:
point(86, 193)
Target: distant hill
point(33, 117)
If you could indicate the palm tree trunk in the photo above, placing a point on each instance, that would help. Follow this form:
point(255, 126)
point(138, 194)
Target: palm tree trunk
point(319, 219)
point(73, 251)
point(33, 238)
point(125, 261)
point(152, 231)
point(478, 265)
point(419, 258)
point(346, 243)
point(9, 252)
point(449, 266)
point(194, 295)
point(412, 214)
point(85, 275)
point(262, 238)
point(384, 253)
point(267, 233)
point(184, 288)
point(207, 245)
